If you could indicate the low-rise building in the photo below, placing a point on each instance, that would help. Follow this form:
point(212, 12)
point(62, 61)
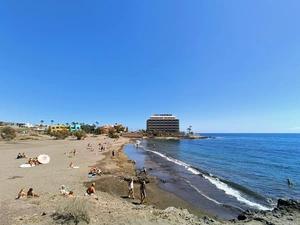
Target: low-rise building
point(75, 127)
point(58, 127)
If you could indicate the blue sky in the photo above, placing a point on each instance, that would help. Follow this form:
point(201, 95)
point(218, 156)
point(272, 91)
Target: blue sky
point(218, 65)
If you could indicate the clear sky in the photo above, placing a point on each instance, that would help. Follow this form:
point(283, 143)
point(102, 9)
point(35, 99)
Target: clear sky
point(218, 65)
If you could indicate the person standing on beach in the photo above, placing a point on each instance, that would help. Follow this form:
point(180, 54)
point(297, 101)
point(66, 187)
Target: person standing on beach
point(130, 187)
point(143, 191)
point(113, 153)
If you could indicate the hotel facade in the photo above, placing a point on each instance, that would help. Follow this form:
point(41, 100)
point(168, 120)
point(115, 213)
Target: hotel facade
point(163, 122)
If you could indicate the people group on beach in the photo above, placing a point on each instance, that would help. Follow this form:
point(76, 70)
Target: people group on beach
point(30, 193)
point(90, 191)
point(20, 156)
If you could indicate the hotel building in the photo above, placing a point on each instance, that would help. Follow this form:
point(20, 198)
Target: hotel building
point(163, 122)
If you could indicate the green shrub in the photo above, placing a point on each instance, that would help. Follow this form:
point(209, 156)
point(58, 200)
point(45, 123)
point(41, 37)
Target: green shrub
point(61, 134)
point(80, 134)
point(8, 133)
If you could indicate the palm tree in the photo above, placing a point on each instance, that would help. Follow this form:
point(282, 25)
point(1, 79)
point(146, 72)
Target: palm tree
point(42, 121)
point(52, 122)
point(189, 129)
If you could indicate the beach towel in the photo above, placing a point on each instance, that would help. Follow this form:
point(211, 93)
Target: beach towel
point(26, 165)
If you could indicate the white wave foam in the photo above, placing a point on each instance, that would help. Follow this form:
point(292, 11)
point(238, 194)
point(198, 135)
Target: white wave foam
point(232, 192)
point(219, 184)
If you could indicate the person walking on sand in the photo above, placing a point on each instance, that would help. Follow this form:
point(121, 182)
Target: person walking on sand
point(74, 152)
point(113, 153)
point(130, 187)
point(143, 191)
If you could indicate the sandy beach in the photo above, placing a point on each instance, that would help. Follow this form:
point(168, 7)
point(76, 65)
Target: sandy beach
point(113, 205)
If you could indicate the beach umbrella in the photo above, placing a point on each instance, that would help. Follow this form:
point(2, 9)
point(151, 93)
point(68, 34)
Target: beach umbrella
point(44, 159)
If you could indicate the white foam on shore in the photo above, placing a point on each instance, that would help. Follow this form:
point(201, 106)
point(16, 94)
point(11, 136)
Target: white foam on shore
point(232, 192)
point(219, 184)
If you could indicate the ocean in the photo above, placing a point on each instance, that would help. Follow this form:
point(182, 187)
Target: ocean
point(226, 174)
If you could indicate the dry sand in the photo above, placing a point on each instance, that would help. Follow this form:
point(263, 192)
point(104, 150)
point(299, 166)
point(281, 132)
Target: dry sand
point(112, 208)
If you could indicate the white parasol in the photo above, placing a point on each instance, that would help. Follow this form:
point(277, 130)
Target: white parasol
point(44, 159)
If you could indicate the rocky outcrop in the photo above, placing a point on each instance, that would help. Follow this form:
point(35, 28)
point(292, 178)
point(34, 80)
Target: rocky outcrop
point(286, 212)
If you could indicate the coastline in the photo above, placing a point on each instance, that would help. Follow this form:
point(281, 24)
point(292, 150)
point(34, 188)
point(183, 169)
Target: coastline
point(113, 205)
point(157, 197)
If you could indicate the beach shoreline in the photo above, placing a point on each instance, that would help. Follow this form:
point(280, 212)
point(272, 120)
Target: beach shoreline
point(161, 207)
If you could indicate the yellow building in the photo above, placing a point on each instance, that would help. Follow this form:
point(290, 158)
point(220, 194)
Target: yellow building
point(58, 127)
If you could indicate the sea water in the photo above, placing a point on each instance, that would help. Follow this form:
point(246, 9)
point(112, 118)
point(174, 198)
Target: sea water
point(227, 173)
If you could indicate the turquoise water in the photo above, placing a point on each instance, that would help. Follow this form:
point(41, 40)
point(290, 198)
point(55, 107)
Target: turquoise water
point(245, 171)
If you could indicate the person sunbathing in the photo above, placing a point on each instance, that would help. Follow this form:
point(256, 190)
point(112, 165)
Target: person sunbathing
point(23, 155)
point(19, 156)
point(71, 194)
point(21, 194)
point(71, 165)
point(30, 161)
point(36, 161)
point(91, 190)
point(99, 171)
point(63, 190)
point(30, 193)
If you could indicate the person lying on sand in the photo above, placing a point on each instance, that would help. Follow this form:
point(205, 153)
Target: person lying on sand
point(71, 165)
point(63, 190)
point(30, 161)
point(36, 161)
point(95, 171)
point(21, 194)
point(30, 193)
point(23, 155)
point(71, 194)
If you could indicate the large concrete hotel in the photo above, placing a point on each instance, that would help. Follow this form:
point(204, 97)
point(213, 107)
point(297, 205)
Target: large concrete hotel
point(163, 122)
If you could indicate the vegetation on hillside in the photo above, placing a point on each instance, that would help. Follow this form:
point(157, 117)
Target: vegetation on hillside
point(61, 134)
point(8, 133)
point(80, 134)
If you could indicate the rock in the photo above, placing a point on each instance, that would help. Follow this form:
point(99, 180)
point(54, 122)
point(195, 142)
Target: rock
point(242, 217)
